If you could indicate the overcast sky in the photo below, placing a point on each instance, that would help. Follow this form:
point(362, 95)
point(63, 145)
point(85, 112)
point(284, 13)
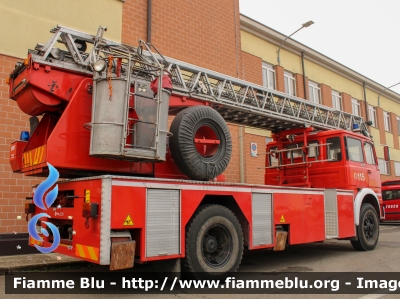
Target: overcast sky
point(360, 34)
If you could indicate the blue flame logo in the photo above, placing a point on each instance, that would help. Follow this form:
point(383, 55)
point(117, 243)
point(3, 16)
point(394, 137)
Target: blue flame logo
point(33, 233)
point(38, 201)
point(44, 186)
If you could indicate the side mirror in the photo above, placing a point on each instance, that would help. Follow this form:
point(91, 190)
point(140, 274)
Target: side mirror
point(386, 153)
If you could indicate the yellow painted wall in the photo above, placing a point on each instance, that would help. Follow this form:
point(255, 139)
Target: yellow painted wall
point(291, 62)
point(259, 132)
point(268, 52)
point(337, 82)
point(389, 139)
point(24, 23)
point(389, 105)
point(376, 138)
point(394, 154)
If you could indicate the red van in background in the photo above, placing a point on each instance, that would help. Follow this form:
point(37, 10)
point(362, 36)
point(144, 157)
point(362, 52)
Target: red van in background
point(391, 199)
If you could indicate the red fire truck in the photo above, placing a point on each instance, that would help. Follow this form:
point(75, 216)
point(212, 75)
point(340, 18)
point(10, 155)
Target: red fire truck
point(136, 190)
point(391, 199)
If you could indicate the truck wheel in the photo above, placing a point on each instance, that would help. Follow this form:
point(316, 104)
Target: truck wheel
point(367, 230)
point(214, 243)
point(201, 144)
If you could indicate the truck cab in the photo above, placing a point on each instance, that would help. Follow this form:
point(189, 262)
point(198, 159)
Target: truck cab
point(322, 159)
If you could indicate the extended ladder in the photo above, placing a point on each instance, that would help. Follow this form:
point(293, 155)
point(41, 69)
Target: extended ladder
point(236, 100)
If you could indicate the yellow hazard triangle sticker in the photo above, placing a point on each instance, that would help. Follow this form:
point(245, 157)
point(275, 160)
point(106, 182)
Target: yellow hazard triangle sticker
point(128, 221)
point(282, 219)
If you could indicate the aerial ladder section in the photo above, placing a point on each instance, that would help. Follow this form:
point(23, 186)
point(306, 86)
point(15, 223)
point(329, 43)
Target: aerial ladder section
point(236, 100)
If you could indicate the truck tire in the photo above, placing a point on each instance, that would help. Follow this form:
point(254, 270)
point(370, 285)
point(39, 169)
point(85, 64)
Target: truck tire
point(200, 161)
point(214, 243)
point(367, 230)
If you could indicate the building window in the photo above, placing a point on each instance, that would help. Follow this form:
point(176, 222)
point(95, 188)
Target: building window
point(268, 140)
point(314, 92)
point(397, 168)
point(268, 74)
point(355, 105)
point(336, 100)
point(386, 121)
point(290, 83)
point(372, 115)
point(383, 166)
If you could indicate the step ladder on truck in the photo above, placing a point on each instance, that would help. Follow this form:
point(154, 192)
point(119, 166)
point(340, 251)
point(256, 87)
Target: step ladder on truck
point(149, 193)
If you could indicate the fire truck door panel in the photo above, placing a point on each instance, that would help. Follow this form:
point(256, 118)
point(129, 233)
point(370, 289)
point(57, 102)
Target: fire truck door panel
point(331, 214)
point(346, 214)
point(262, 225)
point(374, 181)
point(358, 172)
point(313, 218)
point(162, 222)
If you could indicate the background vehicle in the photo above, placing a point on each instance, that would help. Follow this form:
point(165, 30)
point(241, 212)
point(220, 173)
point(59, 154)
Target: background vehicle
point(391, 199)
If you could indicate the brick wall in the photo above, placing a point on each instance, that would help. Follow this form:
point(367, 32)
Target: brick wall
point(307, 96)
point(346, 100)
point(326, 95)
point(255, 166)
point(252, 68)
point(232, 173)
point(280, 80)
point(300, 86)
point(134, 21)
point(362, 109)
point(381, 124)
point(205, 33)
point(13, 187)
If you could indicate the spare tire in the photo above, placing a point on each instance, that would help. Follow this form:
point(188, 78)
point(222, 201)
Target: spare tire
point(201, 143)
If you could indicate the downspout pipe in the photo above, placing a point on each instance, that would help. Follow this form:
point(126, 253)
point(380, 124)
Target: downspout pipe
point(304, 76)
point(149, 17)
point(366, 103)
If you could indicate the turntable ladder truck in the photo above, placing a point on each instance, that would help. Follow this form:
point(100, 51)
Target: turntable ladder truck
point(136, 190)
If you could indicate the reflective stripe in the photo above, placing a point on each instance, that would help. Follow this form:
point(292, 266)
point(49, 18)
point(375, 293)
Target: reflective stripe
point(87, 252)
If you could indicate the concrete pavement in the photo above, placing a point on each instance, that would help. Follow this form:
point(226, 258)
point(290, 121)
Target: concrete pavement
point(38, 261)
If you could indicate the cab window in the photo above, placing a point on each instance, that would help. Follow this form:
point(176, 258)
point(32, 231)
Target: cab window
point(369, 153)
point(334, 152)
point(354, 150)
point(313, 149)
point(273, 159)
point(297, 152)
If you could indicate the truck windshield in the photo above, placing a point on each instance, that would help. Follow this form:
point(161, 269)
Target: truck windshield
point(354, 150)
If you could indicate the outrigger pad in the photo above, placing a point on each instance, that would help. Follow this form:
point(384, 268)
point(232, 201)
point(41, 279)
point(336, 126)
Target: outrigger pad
point(122, 255)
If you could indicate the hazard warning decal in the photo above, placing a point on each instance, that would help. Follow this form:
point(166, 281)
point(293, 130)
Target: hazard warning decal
point(283, 218)
point(128, 221)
